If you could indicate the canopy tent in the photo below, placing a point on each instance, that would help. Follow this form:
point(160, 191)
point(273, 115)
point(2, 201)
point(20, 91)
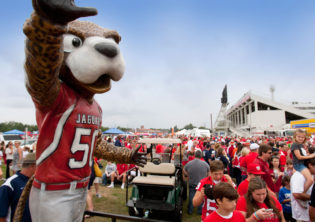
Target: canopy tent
point(182, 132)
point(194, 132)
point(114, 131)
point(14, 132)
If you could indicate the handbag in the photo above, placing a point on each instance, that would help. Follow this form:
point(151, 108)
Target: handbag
point(97, 170)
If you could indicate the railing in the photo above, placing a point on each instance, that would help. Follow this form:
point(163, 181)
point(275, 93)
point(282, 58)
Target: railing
point(120, 217)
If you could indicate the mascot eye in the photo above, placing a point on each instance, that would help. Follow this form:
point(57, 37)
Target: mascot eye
point(71, 42)
point(76, 42)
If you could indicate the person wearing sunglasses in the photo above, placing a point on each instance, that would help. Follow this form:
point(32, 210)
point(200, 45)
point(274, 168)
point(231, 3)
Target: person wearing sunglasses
point(264, 155)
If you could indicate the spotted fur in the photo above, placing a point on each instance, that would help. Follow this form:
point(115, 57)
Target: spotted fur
point(44, 59)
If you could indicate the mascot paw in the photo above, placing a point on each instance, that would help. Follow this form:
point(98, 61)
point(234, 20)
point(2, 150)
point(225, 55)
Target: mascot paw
point(61, 11)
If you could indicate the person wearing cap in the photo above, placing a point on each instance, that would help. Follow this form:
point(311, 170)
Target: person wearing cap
point(253, 171)
point(12, 189)
point(249, 158)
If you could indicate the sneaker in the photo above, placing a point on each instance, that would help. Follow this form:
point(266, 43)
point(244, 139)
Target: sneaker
point(111, 186)
point(122, 186)
point(98, 195)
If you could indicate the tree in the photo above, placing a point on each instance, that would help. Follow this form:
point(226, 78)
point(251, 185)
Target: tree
point(189, 126)
point(202, 127)
point(175, 128)
point(6, 126)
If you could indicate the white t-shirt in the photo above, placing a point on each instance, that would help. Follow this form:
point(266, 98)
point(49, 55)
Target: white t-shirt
point(297, 186)
point(190, 143)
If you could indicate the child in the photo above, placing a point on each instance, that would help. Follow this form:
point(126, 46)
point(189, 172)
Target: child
point(289, 168)
point(285, 199)
point(276, 172)
point(299, 155)
point(110, 172)
point(225, 197)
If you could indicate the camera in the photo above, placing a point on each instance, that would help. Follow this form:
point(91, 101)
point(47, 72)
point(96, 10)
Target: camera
point(209, 191)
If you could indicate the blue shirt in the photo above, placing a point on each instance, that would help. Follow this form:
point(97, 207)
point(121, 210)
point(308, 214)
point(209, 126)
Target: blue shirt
point(284, 193)
point(10, 193)
point(207, 155)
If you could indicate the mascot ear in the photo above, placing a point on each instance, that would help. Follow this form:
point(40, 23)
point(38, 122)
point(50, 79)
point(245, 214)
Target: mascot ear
point(61, 11)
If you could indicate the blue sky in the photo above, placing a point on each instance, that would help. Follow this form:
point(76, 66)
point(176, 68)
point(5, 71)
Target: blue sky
point(179, 55)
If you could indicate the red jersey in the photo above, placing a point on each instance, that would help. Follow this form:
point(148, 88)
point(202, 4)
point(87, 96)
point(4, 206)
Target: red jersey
point(236, 217)
point(209, 205)
point(283, 158)
point(248, 159)
point(277, 183)
point(266, 177)
point(242, 206)
point(121, 168)
point(243, 187)
point(159, 148)
point(67, 137)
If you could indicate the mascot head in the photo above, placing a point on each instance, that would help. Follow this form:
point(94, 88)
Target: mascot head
point(91, 58)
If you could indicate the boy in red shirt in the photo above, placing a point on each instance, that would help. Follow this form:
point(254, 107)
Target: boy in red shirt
point(225, 197)
point(216, 176)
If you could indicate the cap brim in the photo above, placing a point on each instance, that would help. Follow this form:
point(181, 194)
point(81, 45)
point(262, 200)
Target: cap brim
point(258, 173)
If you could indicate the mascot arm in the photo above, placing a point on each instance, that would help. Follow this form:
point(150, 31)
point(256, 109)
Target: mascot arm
point(44, 56)
point(119, 154)
point(116, 154)
point(44, 46)
point(110, 152)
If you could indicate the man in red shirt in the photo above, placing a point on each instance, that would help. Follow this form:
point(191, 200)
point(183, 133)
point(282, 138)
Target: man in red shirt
point(225, 197)
point(216, 176)
point(265, 152)
point(250, 157)
point(253, 170)
point(122, 175)
point(283, 154)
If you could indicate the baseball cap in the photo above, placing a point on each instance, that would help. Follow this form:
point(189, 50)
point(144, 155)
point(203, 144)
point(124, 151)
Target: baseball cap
point(254, 146)
point(254, 168)
point(30, 158)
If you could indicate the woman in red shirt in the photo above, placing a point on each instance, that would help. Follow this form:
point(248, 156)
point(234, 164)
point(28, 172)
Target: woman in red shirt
point(276, 172)
point(258, 205)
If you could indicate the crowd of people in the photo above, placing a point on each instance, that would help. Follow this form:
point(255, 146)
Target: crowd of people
point(272, 178)
point(228, 178)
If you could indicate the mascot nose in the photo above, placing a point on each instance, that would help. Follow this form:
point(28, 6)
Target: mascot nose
point(106, 49)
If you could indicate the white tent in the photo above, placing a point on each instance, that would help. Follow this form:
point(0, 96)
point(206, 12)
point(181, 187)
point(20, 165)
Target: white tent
point(181, 132)
point(194, 132)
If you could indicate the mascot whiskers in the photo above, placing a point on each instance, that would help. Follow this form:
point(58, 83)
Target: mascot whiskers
point(67, 63)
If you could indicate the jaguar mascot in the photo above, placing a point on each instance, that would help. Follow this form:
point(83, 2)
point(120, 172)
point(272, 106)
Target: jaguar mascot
point(67, 63)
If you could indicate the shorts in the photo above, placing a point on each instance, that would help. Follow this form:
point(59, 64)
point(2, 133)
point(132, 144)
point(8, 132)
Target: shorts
point(299, 167)
point(98, 180)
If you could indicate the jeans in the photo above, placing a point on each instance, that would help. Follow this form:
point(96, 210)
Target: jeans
point(8, 169)
point(104, 179)
point(192, 191)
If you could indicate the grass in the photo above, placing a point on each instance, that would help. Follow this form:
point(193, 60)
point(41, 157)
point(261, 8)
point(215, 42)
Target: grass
point(114, 201)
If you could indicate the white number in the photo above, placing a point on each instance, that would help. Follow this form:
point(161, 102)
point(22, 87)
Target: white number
point(78, 146)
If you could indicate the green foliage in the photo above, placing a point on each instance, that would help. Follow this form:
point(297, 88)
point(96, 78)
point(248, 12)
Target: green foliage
point(6, 126)
point(103, 128)
point(125, 129)
point(190, 126)
point(202, 127)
